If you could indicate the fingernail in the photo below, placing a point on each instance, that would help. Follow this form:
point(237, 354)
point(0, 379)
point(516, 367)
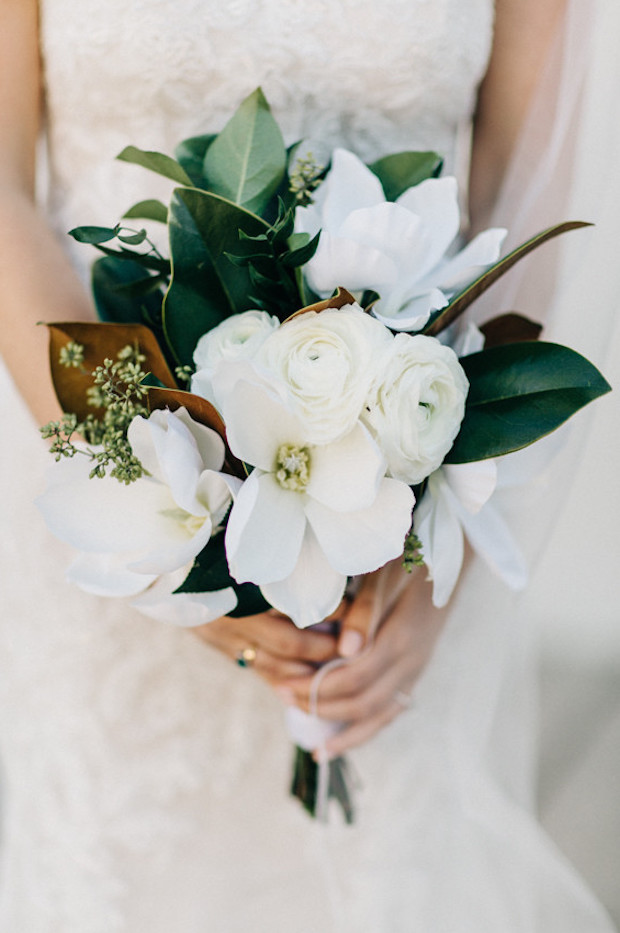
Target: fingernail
point(286, 695)
point(350, 644)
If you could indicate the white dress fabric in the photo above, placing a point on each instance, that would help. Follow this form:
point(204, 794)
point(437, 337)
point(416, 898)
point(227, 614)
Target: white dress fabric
point(145, 776)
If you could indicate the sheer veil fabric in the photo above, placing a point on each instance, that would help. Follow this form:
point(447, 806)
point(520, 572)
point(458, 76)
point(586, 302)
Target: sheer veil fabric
point(146, 778)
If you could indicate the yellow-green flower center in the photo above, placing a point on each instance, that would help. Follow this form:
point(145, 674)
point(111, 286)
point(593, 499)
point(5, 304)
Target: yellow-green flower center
point(293, 467)
point(191, 524)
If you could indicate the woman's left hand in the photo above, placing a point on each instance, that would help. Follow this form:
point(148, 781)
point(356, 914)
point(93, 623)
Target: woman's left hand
point(373, 686)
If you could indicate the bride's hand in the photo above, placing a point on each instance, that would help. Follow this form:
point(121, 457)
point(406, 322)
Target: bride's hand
point(373, 688)
point(280, 650)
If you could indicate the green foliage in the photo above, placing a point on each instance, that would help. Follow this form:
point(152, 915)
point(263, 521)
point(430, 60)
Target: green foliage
point(519, 393)
point(403, 170)
point(247, 161)
point(127, 293)
point(206, 286)
point(148, 210)
point(156, 162)
point(191, 155)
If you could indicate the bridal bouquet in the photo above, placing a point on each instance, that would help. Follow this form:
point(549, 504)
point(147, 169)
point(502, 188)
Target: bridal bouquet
point(291, 398)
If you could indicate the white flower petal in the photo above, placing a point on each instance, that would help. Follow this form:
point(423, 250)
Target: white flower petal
point(184, 609)
point(257, 422)
point(455, 274)
point(265, 530)
point(209, 443)
point(472, 483)
point(436, 202)
point(362, 541)
point(171, 554)
point(349, 185)
point(106, 575)
point(345, 475)
point(392, 230)
point(413, 314)
point(103, 515)
point(438, 527)
point(491, 538)
point(349, 263)
point(312, 591)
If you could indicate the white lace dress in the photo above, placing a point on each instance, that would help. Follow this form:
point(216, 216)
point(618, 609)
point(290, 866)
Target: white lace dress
point(145, 777)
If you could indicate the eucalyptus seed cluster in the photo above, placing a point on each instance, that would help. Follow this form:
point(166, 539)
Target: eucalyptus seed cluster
point(306, 175)
point(412, 552)
point(119, 392)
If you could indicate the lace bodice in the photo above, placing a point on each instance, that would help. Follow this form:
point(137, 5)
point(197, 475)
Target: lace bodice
point(376, 77)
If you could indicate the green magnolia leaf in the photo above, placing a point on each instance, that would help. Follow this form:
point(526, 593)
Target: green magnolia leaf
point(132, 239)
point(156, 162)
point(301, 254)
point(93, 235)
point(519, 393)
point(191, 155)
point(462, 301)
point(124, 292)
point(210, 572)
point(206, 286)
point(247, 161)
point(148, 260)
point(148, 210)
point(403, 170)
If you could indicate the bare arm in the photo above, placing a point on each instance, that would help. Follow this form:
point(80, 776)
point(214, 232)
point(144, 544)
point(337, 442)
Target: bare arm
point(524, 32)
point(37, 281)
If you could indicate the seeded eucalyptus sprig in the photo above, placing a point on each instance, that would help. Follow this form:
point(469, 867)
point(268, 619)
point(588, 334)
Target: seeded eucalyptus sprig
point(120, 392)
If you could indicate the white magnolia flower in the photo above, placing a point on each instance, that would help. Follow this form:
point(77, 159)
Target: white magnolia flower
point(237, 337)
point(398, 249)
point(143, 537)
point(417, 405)
point(456, 503)
point(327, 361)
point(309, 515)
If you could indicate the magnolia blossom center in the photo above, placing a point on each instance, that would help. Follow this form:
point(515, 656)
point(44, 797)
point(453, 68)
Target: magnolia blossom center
point(191, 524)
point(293, 467)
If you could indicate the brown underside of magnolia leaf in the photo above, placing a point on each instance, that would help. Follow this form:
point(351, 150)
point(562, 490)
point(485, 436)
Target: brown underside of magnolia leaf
point(100, 342)
point(509, 328)
point(339, 300)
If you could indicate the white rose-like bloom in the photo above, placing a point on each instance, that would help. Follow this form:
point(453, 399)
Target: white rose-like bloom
point(417, 405)
point(398, 249)
point(142, 538)
point(327, 361)
point(307, 516)
point(238, 337)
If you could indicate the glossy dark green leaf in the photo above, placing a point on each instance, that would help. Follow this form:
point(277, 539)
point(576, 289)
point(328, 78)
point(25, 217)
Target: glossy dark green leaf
point(247, 161)
point(148, 210)
point(191, 155)
point(93, 235)
point(403, 170)
point(132, 239)
point(124, 292)
point(300, 254)
point(206, 286)
point(463, 300)
point(519, 393)
point(156, 162)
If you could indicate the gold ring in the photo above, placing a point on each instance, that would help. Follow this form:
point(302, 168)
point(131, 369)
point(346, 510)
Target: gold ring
point(247, 657)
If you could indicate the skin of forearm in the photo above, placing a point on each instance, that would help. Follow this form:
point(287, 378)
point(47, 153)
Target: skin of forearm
point(38, 284)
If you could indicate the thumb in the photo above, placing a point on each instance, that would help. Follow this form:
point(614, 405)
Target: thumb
point(357, 626)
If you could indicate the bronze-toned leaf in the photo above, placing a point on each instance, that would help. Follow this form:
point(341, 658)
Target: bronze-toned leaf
point(201, 411)
point(339, 300)
point(510, 328)
point(488, 278)
point(100, 342)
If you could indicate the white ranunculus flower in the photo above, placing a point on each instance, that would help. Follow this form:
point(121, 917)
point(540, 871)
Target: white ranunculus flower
point(398, 249)
point(308, 515)
point(416, 405)
point(237, 337)
point(327, 361)
point(143, 537)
